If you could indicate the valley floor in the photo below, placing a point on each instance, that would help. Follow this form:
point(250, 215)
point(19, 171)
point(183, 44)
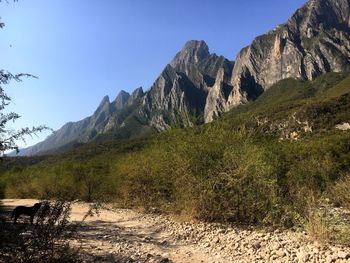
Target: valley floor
point(122, 235)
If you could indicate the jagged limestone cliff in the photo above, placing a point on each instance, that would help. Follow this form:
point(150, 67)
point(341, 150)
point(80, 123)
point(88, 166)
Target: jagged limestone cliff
point(315, 40)
point(178, 96)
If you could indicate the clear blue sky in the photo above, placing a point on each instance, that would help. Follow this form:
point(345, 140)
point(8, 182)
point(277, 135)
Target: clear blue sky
point(82, 50)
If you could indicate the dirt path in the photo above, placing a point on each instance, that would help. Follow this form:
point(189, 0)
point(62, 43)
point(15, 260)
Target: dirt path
point(122, 235)
point(125, 233)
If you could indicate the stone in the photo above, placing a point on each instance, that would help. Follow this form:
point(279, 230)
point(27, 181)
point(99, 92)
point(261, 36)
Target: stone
point(165, 260)
point(276, 247)
point(165, 243)
point(343, 127)
point(303, 256)
point(329, 259)
point(280, 253)
point(343, 255)
point(216, 240)
point(256, 245)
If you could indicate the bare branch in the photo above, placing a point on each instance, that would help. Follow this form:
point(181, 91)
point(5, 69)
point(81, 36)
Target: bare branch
point(8, 136)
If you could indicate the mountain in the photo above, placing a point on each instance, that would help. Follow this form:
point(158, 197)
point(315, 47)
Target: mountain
point(315, 40)
point(176, 99)
point(197, 86)
point(178, 96)
point(108, 116)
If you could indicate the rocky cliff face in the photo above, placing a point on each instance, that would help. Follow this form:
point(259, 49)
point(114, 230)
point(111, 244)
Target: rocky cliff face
point(314, 41)
point(178, 96)
point(121, 100)
point(197, 86)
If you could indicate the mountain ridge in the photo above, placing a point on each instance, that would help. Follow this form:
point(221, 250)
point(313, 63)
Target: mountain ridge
point(198, 86)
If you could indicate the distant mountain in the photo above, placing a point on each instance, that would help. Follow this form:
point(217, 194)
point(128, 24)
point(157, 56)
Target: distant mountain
point(197, 86)
point(108, 116)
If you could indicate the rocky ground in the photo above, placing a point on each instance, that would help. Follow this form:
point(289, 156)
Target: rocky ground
point(120, 235)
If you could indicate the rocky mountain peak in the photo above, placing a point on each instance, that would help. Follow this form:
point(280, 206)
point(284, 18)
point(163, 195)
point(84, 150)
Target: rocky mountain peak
point(136, 95)
point(193, 52)
point(104, 104)
point(104, 100)
point(121, 100)
point(320, 15)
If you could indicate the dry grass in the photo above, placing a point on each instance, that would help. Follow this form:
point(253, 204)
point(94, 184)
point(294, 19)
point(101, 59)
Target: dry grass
point(317, 226)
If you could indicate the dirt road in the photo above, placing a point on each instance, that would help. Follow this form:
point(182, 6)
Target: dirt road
point(122, 235)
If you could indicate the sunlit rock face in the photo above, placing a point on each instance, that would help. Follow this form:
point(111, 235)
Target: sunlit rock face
point(179, 96)
point(314, 41)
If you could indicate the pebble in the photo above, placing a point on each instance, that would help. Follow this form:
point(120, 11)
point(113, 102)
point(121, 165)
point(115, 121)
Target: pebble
point(256, 245)
point(303, 256)
point(280, 253)
point(343, 255)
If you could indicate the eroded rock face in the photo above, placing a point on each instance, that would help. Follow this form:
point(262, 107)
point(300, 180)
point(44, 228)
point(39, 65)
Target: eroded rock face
point(166, 100)
point(217, 97)
point(178, 97)
point(314, 41)
point(136, 95)
point(121, 100)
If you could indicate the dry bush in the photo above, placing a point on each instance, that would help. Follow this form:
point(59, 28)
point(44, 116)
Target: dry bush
point(317, 227)
point(316, 224)
point(46, 241)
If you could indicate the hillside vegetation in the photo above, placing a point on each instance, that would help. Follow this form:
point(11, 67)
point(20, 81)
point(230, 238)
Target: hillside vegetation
point(267, 162)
